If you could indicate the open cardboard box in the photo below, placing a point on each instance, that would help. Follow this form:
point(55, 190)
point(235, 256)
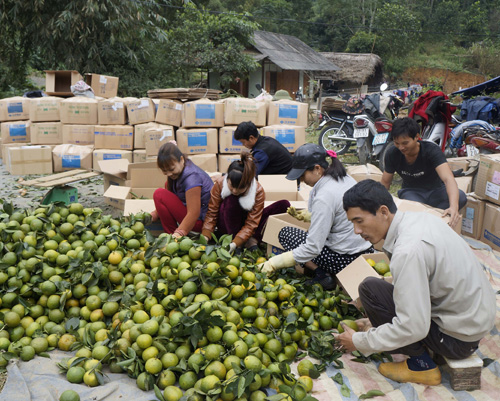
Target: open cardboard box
point(355, 272)
point(277, 187)
point(139, 179)
point(274, 225)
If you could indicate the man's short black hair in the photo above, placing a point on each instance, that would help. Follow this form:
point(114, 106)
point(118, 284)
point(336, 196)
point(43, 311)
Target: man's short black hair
point(405, 127)
point(245, 130)
point(369, 195)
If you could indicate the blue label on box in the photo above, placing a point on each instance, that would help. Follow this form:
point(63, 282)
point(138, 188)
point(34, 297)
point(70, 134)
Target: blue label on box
point(469, 214)
point(492, 238)
point(197, 139)
point(71, 161)
point(15, 107)
point(17, 131)
point(205, 111)
point(288, 111)
point(235, 142)
point(111, 156)
point(285, 136)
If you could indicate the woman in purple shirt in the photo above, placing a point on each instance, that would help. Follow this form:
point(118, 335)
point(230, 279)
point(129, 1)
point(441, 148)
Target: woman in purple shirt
point(182, 205)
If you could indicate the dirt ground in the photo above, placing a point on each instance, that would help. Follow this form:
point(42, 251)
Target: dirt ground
point(89, 192)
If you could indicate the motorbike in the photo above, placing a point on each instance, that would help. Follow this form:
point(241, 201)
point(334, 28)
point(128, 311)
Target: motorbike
point(481, 140)
point(372, 129)
point(458, 145)
point(336, 131)
point(299, 96)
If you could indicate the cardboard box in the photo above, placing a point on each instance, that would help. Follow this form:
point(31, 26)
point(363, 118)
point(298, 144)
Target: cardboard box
point(78, 134)
point(155, 137)
point(114, 137)
point(207, 162)
point(238, 110)
point(14, 108)
point(109, 154)
point(227, 143)
point(139, 156)
point(277, 187)
point(69, 157)
point(351, 276)
point(364, 172)
point(203, 113)
point(23, 160)
point(274, 225)
point(288, 112)
point(197, 141)
point(140, 133)
point(45, 109)
point(5, 146)
point(103, 85)
point(141, 111)
point(58, 83)
point(464, 183)
point(490, 232)
point(457, 163)
point(473, 216)
point(15, 132)
point(291, 137)
point(112, 111)
point(49, 133)
point(141, 179)
point(488, 178)
point(169, 112)
point(224, 160)
point(79, 110)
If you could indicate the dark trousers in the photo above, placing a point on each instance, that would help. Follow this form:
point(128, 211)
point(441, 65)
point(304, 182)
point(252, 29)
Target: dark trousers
point(377, 298)
point(432, 197)
point(232, 216)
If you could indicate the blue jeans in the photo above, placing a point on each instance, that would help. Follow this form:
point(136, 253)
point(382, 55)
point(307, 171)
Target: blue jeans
point(433, 197)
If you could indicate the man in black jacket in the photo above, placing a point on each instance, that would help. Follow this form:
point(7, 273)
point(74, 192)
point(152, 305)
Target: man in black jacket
point(271, 156)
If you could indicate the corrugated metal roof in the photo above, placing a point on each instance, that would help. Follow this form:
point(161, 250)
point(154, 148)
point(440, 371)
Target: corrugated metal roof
point(290, 53)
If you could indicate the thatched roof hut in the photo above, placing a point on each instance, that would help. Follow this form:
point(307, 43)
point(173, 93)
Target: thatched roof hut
point(356, 69)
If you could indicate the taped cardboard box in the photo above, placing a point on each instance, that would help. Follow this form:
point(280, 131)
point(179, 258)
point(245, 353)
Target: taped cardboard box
point(473, 217)
point(291, 137)
point(141, 111)
point(79, 110)
point(197, 141)
point(103, 85)
point(457, 163)
point(203, 113)
point(227, 143)
point(23, 160)
point(112, 111)
point(4, 150)
point(224, 160)
point(109, 154)
point(238, 110)
point(114, 137)
point(139, 156)
point(364, 172)
point(14, 108)
point(15, 132)
point(45, 109)
point(58, 83)
point(490, 232)
point(169, 112)
point(69, 157)
point(207, 162)
point(156, 137)
point(119, 196)
point(140, 133)
point(78, 134)
point(288, 112)
point(488, 178)
point(351, 276)
point(49, 133)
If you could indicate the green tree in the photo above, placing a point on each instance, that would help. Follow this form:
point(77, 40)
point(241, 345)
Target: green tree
point(215, 42)
point(362, 42)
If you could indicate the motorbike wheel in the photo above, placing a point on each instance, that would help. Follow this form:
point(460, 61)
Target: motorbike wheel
point(381, 162)
point(364, 153)
point(337, 145)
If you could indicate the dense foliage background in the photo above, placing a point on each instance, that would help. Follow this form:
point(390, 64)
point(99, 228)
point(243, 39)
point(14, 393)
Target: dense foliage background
point(164, 43)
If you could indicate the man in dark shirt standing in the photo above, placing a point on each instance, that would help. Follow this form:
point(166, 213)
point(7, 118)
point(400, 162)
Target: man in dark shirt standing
point(271, 156)
point(427, 177)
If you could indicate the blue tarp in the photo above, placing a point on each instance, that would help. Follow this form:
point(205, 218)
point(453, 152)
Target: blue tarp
point(493, 85)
